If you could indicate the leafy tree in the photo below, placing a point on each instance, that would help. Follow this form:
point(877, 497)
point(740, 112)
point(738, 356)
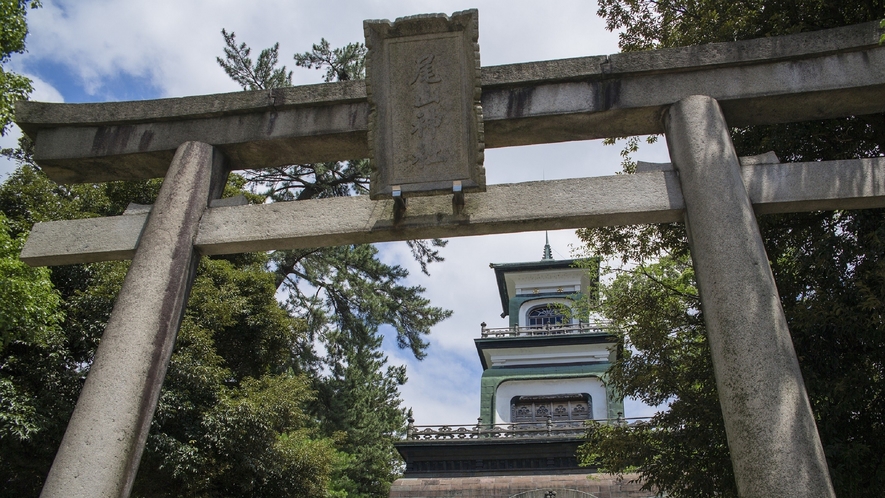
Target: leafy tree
point(30, 306)
point(829, 268)
point(232, 416)
point(665, 359)
point(231, 420)
point(29, 318)
point(13, 30)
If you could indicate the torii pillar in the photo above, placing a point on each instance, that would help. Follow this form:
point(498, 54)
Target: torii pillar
point(105, 438)
point(772, 436)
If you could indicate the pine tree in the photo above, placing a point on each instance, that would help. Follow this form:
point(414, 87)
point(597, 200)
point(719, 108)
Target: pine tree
point(344, 293)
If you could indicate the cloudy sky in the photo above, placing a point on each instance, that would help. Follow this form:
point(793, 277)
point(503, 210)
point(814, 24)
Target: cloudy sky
point(105, 50)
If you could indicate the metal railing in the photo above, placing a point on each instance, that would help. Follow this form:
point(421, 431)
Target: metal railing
point(529, 430)
point(545, 330)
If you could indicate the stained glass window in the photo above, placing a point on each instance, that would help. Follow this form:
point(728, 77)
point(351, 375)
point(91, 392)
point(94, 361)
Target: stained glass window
point(545, 315)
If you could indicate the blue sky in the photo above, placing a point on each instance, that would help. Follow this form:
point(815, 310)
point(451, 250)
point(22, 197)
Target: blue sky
point(105, 50)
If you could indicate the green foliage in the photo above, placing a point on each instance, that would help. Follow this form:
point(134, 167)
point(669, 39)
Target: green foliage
point(13, 31)
point(356, 291)
point(631, 145)
point(42, 372)
point(359, 400)
point(15, 26)
point(38, 389)
point(342, 64)
point(13, 87)
point(29, 307)
point(830, 270)
point(261, 75)
point(231, 420)
point(664, 360)
point(828, 267)
point(30, 329)
point(646, 24)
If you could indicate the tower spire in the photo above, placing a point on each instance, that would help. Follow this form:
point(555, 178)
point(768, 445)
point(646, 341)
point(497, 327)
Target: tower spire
point(548, 254)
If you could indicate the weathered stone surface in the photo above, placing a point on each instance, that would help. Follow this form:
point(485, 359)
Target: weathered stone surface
point(102, 446)
point(88, 240)
point(577, 485)
point(756, 82)
point(653, 197)
point(425, 119)
point(38, 115)
point(144, 150)
point(772, 437)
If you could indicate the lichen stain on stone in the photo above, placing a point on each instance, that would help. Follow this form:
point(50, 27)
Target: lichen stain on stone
point(608, 94)
point(271, 122)
point(145, 141)
point(354, 114)
point(518, 102)
point(111, 139)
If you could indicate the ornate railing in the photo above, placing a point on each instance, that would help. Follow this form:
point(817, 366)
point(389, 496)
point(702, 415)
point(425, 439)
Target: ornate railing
point(542, 430)
point(544, 330)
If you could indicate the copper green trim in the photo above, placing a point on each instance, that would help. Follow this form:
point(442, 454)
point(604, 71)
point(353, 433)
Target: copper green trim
point(517, 301)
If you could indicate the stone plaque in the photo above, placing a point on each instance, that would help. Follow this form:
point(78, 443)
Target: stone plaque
point(425, 117)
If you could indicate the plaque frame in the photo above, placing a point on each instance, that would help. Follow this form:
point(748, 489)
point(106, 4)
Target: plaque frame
point(424, 91)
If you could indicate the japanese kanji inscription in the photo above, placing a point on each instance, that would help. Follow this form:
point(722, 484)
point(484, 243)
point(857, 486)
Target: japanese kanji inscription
point(425, 122)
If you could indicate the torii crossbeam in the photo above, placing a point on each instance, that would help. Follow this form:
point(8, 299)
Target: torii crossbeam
point(688, 93)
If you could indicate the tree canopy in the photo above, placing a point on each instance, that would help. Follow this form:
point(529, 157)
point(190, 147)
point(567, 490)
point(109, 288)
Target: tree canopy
point(829, 268)
point(13, 31)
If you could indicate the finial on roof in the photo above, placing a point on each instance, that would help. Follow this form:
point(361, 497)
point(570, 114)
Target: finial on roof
point(548, 255)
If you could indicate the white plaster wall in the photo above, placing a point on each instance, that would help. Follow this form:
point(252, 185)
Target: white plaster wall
point(570, 280)
point(540, 356)
point(526, 306)
point(510, 388)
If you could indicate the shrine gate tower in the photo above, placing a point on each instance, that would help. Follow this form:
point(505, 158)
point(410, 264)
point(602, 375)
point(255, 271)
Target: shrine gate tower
point(542, 384)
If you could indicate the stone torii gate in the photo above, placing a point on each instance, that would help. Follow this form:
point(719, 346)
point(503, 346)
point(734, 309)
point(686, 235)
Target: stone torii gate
point(692, 95)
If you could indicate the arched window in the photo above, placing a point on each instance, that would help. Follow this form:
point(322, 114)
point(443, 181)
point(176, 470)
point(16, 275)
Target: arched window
point(544, 315)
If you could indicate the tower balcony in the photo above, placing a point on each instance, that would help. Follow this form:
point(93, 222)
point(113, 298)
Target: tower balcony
point(550, 429)
point(596, 327)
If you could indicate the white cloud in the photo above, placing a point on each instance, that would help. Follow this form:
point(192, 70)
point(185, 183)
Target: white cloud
point(43, 91)
point(173, 44)
point(443, 388)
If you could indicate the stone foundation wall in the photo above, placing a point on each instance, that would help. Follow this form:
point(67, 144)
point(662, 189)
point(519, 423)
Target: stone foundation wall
point(537, 486)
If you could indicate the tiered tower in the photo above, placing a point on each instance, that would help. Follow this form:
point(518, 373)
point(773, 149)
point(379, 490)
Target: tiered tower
point(542, 382)
point(549, 362)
